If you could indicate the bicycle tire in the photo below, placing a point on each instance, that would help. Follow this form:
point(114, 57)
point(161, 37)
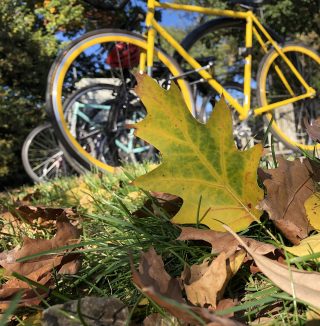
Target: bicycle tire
point(43, 171)
point(59, 71)
point(222, 27)
point(95, 119)
point(203, 43)
point(217, 28)
point(219, 23)
point(270, 87)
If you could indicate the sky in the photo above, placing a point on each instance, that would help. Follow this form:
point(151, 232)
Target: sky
point(170, 18)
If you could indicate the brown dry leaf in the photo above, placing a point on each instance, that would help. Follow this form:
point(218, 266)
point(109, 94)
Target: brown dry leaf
point(156, 283)
point(10, 224)
point(66, 234)
point(305, 284)
point(278, 256)
point(264, 315)
point(313, 129)
point(226, 304)
point(44, 216)
point(38, 269)
point(224, 242)
point(29, 297)
point(288, 187)
point(27, 199)
point(152, 269)
point(20, 197)
point(41, 214)
point(205, 283)
point(167, 202)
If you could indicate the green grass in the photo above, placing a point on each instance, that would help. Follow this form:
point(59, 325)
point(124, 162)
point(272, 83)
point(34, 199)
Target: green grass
point(111, 232)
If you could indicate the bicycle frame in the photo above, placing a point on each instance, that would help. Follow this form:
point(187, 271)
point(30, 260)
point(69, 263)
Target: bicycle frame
point(253, 29)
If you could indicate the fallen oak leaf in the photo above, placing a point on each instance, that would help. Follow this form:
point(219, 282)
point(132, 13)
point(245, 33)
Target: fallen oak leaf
point(266, 315)
point(205, 283)
point(313, 129)
point(222, 177)
point(70, 264)
point(159, 200)
point(30, 296)
point(32, 195)
point(28, 299)
point(157, 284)
point(163, 283)
point(278, 256)
point(31, 213)
point(226, 304)
point(10, 223)
point(303, 285)
point(43, 216)
point(38, 269)
point(224, 242)
point(153, 280)
point(288, 187)
point(67, 234)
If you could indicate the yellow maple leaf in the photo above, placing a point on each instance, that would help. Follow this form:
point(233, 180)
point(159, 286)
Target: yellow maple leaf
point(307, 246)
point(217, 182)
point(83, 196)
point(310, 245)
point(312, 206)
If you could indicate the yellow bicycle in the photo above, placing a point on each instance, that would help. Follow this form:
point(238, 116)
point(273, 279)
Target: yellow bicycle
point(286, 80)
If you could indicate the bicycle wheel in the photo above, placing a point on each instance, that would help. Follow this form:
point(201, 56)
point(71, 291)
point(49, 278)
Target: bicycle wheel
point(288, 125)
point(93, 58)
point(42, 157)
point(220, 44)
point(216, 41)
point(96, 118)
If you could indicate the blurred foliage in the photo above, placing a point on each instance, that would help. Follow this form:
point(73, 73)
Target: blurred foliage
point(28, 45)
point(291, 17)
point(31, 34)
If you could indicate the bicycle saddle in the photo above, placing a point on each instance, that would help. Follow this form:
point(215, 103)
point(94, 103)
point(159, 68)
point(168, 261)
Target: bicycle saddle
point(249, 3)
